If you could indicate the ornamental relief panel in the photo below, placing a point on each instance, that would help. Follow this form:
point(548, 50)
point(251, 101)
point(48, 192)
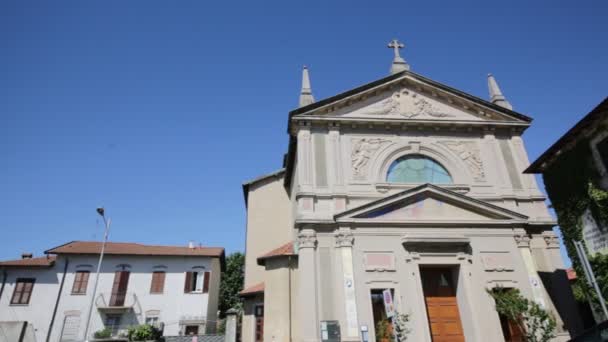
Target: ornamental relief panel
point(469, 152)
point(407, 104)
point(362, 151)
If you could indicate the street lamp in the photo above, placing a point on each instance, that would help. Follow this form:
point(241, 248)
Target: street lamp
point(107, 222)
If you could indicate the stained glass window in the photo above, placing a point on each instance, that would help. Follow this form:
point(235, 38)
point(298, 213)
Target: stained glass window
point(417, 169)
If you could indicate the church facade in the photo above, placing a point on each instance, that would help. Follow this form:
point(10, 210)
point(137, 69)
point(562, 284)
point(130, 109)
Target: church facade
point(403, 186)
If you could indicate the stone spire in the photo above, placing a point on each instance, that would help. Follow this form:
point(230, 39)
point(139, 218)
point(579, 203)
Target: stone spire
point(399, 64)
point(306, 97)
point(496, 96)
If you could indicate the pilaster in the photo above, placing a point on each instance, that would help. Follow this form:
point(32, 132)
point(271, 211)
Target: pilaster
point(307, 291)
point(344, 244)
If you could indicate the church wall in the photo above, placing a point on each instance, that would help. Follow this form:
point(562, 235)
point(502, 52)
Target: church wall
point(268, 224)
point(333, 176)
point(476, 273)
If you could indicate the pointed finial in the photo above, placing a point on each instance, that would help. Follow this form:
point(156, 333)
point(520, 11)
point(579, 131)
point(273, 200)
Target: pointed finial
point(306, 97)
point(496, 96)
point(399, 64)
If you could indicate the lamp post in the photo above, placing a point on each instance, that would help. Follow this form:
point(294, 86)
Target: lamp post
point(106, 223)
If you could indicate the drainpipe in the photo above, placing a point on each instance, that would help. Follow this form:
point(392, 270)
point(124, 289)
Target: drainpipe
point(65, 270)
point(289, 281)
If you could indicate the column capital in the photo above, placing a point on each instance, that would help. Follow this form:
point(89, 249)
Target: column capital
point(522, 240)
point(344, 237)
point(551, 239)
point(307, 238)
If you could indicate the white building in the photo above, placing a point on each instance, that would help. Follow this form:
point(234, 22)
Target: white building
point(173, 287)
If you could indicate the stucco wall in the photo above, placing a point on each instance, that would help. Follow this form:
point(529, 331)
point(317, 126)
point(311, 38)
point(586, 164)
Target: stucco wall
point(39, 310)
point(268, 224)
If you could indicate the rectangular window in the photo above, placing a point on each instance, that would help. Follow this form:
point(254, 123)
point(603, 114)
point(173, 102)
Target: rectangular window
point(112, 322)
point(23, 290)
point(158, 282)
point(81, 279)
point(191, 330)
point(197, 282)
point(153, 321)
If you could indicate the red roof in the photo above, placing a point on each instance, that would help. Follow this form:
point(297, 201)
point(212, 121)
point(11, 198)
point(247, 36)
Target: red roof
point(252, 290)
point(46, 261)
point(571, 274)
point(127, 248)
point(284, 250)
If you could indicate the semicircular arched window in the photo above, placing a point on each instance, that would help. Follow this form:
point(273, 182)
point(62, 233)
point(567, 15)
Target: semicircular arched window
point(417, 169)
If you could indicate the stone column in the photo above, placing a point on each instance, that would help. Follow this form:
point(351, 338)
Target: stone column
point(307, 289)
point(344, 245)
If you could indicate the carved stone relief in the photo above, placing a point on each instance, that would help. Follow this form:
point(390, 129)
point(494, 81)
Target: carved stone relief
point(344, 238)
point(469, 153)
point(362, 151)
point(407, 104)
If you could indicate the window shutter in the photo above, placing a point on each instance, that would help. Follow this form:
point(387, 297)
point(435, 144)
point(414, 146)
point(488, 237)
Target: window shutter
point(158, 282)
point(188, 284)
point(206, 282)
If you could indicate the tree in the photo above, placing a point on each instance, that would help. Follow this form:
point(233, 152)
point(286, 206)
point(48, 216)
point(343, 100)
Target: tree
point(232, 282)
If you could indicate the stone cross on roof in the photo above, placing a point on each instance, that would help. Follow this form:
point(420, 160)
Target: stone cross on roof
point(395, 45)
point(399, 64)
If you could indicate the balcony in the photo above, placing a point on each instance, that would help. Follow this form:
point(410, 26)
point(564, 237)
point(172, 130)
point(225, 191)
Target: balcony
point(115, 303)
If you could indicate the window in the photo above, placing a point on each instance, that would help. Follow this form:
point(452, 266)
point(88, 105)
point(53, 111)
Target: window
point(259, 323)
point(158, 282)
point(191, 330)
point(152, 320)
point(23, 291)
point(197, 282)
point(417, 169)
point(81, 279)
point(112, 322)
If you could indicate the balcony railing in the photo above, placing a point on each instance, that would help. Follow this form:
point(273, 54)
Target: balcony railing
point(116, 301)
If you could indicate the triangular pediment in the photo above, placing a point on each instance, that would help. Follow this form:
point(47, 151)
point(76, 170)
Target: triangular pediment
point(408, 96)
point(430, 204)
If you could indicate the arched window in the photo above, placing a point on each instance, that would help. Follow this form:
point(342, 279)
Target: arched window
point(417, 169)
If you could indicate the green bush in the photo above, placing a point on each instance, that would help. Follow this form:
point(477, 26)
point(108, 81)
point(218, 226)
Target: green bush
point(104, 333)
point(536, 324)
point(143, 332)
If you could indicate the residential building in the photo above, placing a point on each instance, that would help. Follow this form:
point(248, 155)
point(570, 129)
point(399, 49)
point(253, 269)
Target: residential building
point(172, 287)
point(575, 173)
point(402, 193)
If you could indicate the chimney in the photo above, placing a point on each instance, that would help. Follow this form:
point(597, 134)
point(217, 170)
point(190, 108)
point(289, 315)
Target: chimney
point(26, 255)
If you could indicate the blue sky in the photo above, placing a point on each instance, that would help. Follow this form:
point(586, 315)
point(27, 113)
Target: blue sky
point(160, 110)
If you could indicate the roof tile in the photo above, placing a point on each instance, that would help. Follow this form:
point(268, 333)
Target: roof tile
point(127, 248)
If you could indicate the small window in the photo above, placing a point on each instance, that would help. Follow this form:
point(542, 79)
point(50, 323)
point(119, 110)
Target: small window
point(23, 291)
point(191, 330)
point(81, 279)
point(153, 321)
point(197, 282)
point(158, 282)
point(417, 169)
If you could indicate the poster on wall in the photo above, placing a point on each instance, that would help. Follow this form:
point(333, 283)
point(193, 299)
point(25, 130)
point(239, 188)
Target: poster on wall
point(389, 305)
point(594, 234)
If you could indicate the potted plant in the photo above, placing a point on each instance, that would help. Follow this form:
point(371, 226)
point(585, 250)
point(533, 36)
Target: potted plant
point(384, 331)
point(144, 332)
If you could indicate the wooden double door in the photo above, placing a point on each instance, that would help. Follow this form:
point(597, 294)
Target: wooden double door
point(441, 304)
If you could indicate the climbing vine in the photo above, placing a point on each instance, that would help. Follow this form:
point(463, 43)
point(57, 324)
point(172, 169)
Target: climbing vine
point(572, 184)
point(536, 324)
